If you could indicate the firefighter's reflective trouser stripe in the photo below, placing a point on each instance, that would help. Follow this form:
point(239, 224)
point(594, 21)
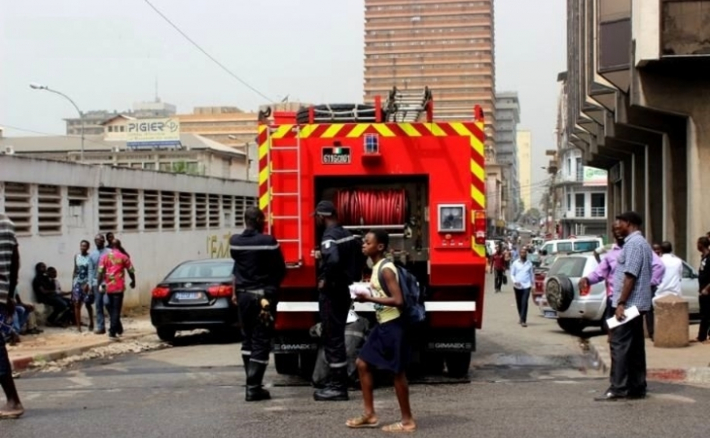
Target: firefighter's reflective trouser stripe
point(257, 334)
point(334, 305)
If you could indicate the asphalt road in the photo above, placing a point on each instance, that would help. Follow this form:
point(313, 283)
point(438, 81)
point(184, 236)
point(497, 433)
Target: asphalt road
point(525, 382)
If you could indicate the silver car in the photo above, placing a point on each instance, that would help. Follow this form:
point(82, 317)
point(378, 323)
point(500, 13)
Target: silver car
point(575, 311)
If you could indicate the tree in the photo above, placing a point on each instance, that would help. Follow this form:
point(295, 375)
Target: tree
point(533, 213)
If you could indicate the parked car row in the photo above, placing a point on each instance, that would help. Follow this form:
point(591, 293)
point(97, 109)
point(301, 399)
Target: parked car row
point(575, 309)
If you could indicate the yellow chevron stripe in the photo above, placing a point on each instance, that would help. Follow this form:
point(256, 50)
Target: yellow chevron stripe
point(478, 171)
point(281, 131)
point(478, 197)
point(461, 129)
point(333, 130)
point(307, 130)
point(410, 130)
point(435, 129)
point(358, 130)
point(383, 130)
point(477, 145)
point(264, 201)
point(478, 249)
point(264, 174)
point(263, 149)
point(262, 128)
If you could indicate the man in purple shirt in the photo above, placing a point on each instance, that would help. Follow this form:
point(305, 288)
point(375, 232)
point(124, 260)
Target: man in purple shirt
point(605, 272)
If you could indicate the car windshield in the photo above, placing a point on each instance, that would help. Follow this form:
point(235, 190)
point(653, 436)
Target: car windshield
point(586, 246)
point(202, 269)
point(572, 267)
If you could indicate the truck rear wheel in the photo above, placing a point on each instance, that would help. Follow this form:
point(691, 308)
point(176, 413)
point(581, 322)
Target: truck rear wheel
point(458, 364)
point(286, 364)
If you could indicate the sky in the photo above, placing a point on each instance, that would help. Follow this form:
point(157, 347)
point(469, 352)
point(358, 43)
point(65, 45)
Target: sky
point(108, 55)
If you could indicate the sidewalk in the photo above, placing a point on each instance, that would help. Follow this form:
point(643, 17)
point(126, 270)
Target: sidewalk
point(684, 365)
point(58, 343)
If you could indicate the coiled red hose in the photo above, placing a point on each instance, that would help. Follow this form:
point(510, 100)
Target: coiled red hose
point(371, 207)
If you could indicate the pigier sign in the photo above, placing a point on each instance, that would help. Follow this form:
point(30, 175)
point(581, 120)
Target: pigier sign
point(145, 133)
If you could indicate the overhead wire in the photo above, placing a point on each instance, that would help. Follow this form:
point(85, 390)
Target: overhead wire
point(207, 54)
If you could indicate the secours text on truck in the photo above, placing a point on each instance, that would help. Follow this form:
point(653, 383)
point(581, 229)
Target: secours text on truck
point(385, 165)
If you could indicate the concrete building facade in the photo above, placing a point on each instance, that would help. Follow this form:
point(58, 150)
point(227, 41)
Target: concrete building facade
point(638, 107)
point(447, 45)
point(196, 155)
point(507, 119)
point(161, 219)
point(524, 142)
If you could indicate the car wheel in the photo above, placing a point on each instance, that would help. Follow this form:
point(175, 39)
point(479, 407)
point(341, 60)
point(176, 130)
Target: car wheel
point(559, 292)
point(286, 364)
point(166, 334)
point(571, 325)
point(458, 364)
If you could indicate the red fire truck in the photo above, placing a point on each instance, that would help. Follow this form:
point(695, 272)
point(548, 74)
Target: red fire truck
point(388, 166)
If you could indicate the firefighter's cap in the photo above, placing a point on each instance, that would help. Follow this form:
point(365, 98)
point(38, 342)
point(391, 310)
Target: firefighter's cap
point(324, 208)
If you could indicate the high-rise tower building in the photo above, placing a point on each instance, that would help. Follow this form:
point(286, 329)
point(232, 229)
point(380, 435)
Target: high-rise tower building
point(446, 45)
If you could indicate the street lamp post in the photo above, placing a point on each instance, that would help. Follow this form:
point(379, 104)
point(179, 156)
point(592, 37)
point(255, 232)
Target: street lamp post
point(81, 114)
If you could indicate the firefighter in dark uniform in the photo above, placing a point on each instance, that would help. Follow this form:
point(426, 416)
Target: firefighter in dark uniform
point(259, 268)
point(341, 264)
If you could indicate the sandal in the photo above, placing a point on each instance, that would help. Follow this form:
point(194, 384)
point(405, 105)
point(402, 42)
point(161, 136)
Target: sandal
point(11, 415)
point(399, 427)
point(362, 422)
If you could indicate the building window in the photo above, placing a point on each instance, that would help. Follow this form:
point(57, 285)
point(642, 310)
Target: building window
point(77, 203)
point(580, 170)
point(239, 209)
point(214, 211)
point(49, 209)
point(167, 210)
point(185, 211)
point(149, 166)
point(151, 203)
point(18, 206)
point(579, 205)
point(227, 210)
point(599, 205)
point(130, 209)
point(569, 202)
point(108, 210)
point(200, 211)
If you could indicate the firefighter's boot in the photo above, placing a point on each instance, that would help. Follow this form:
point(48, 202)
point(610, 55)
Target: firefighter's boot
point(337, 387)
point(245, 360)
point(255, 388)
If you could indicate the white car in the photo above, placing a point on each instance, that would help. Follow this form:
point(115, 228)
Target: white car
point(574, 312)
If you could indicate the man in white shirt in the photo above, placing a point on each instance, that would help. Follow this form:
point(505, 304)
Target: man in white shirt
point(671, 283)
point(521, 272)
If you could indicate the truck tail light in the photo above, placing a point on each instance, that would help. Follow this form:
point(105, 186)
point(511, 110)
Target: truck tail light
point(221, 291)
point(479, 227)
point(160, 292)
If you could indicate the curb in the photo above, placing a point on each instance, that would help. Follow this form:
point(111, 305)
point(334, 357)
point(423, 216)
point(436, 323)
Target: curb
point(675, 375)
point(23, 363)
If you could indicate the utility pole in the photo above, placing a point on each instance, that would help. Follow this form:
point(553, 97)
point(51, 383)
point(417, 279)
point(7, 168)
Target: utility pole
point(552, 196)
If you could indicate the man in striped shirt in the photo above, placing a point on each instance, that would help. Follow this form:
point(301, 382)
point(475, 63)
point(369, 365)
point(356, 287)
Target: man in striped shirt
point(9, 267)
point(632, 287)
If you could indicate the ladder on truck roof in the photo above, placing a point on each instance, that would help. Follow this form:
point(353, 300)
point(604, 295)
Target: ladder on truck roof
point(298, 217)
point(407, 105)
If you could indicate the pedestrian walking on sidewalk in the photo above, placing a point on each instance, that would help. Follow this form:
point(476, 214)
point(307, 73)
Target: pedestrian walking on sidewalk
point(9, 268)
point(521, 273)
point(632, 287)
point(112, 271)
point(341, 264)
point(97, 285)
point(499, 267)
point(81, 293)
point(259, 269)
point(704, 289)
point(387, 346)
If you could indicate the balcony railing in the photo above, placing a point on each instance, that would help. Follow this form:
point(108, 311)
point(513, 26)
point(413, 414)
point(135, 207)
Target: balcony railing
point(598, 211)
point(579, 212)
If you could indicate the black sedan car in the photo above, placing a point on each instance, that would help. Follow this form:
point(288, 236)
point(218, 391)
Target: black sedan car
point(195, 295)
